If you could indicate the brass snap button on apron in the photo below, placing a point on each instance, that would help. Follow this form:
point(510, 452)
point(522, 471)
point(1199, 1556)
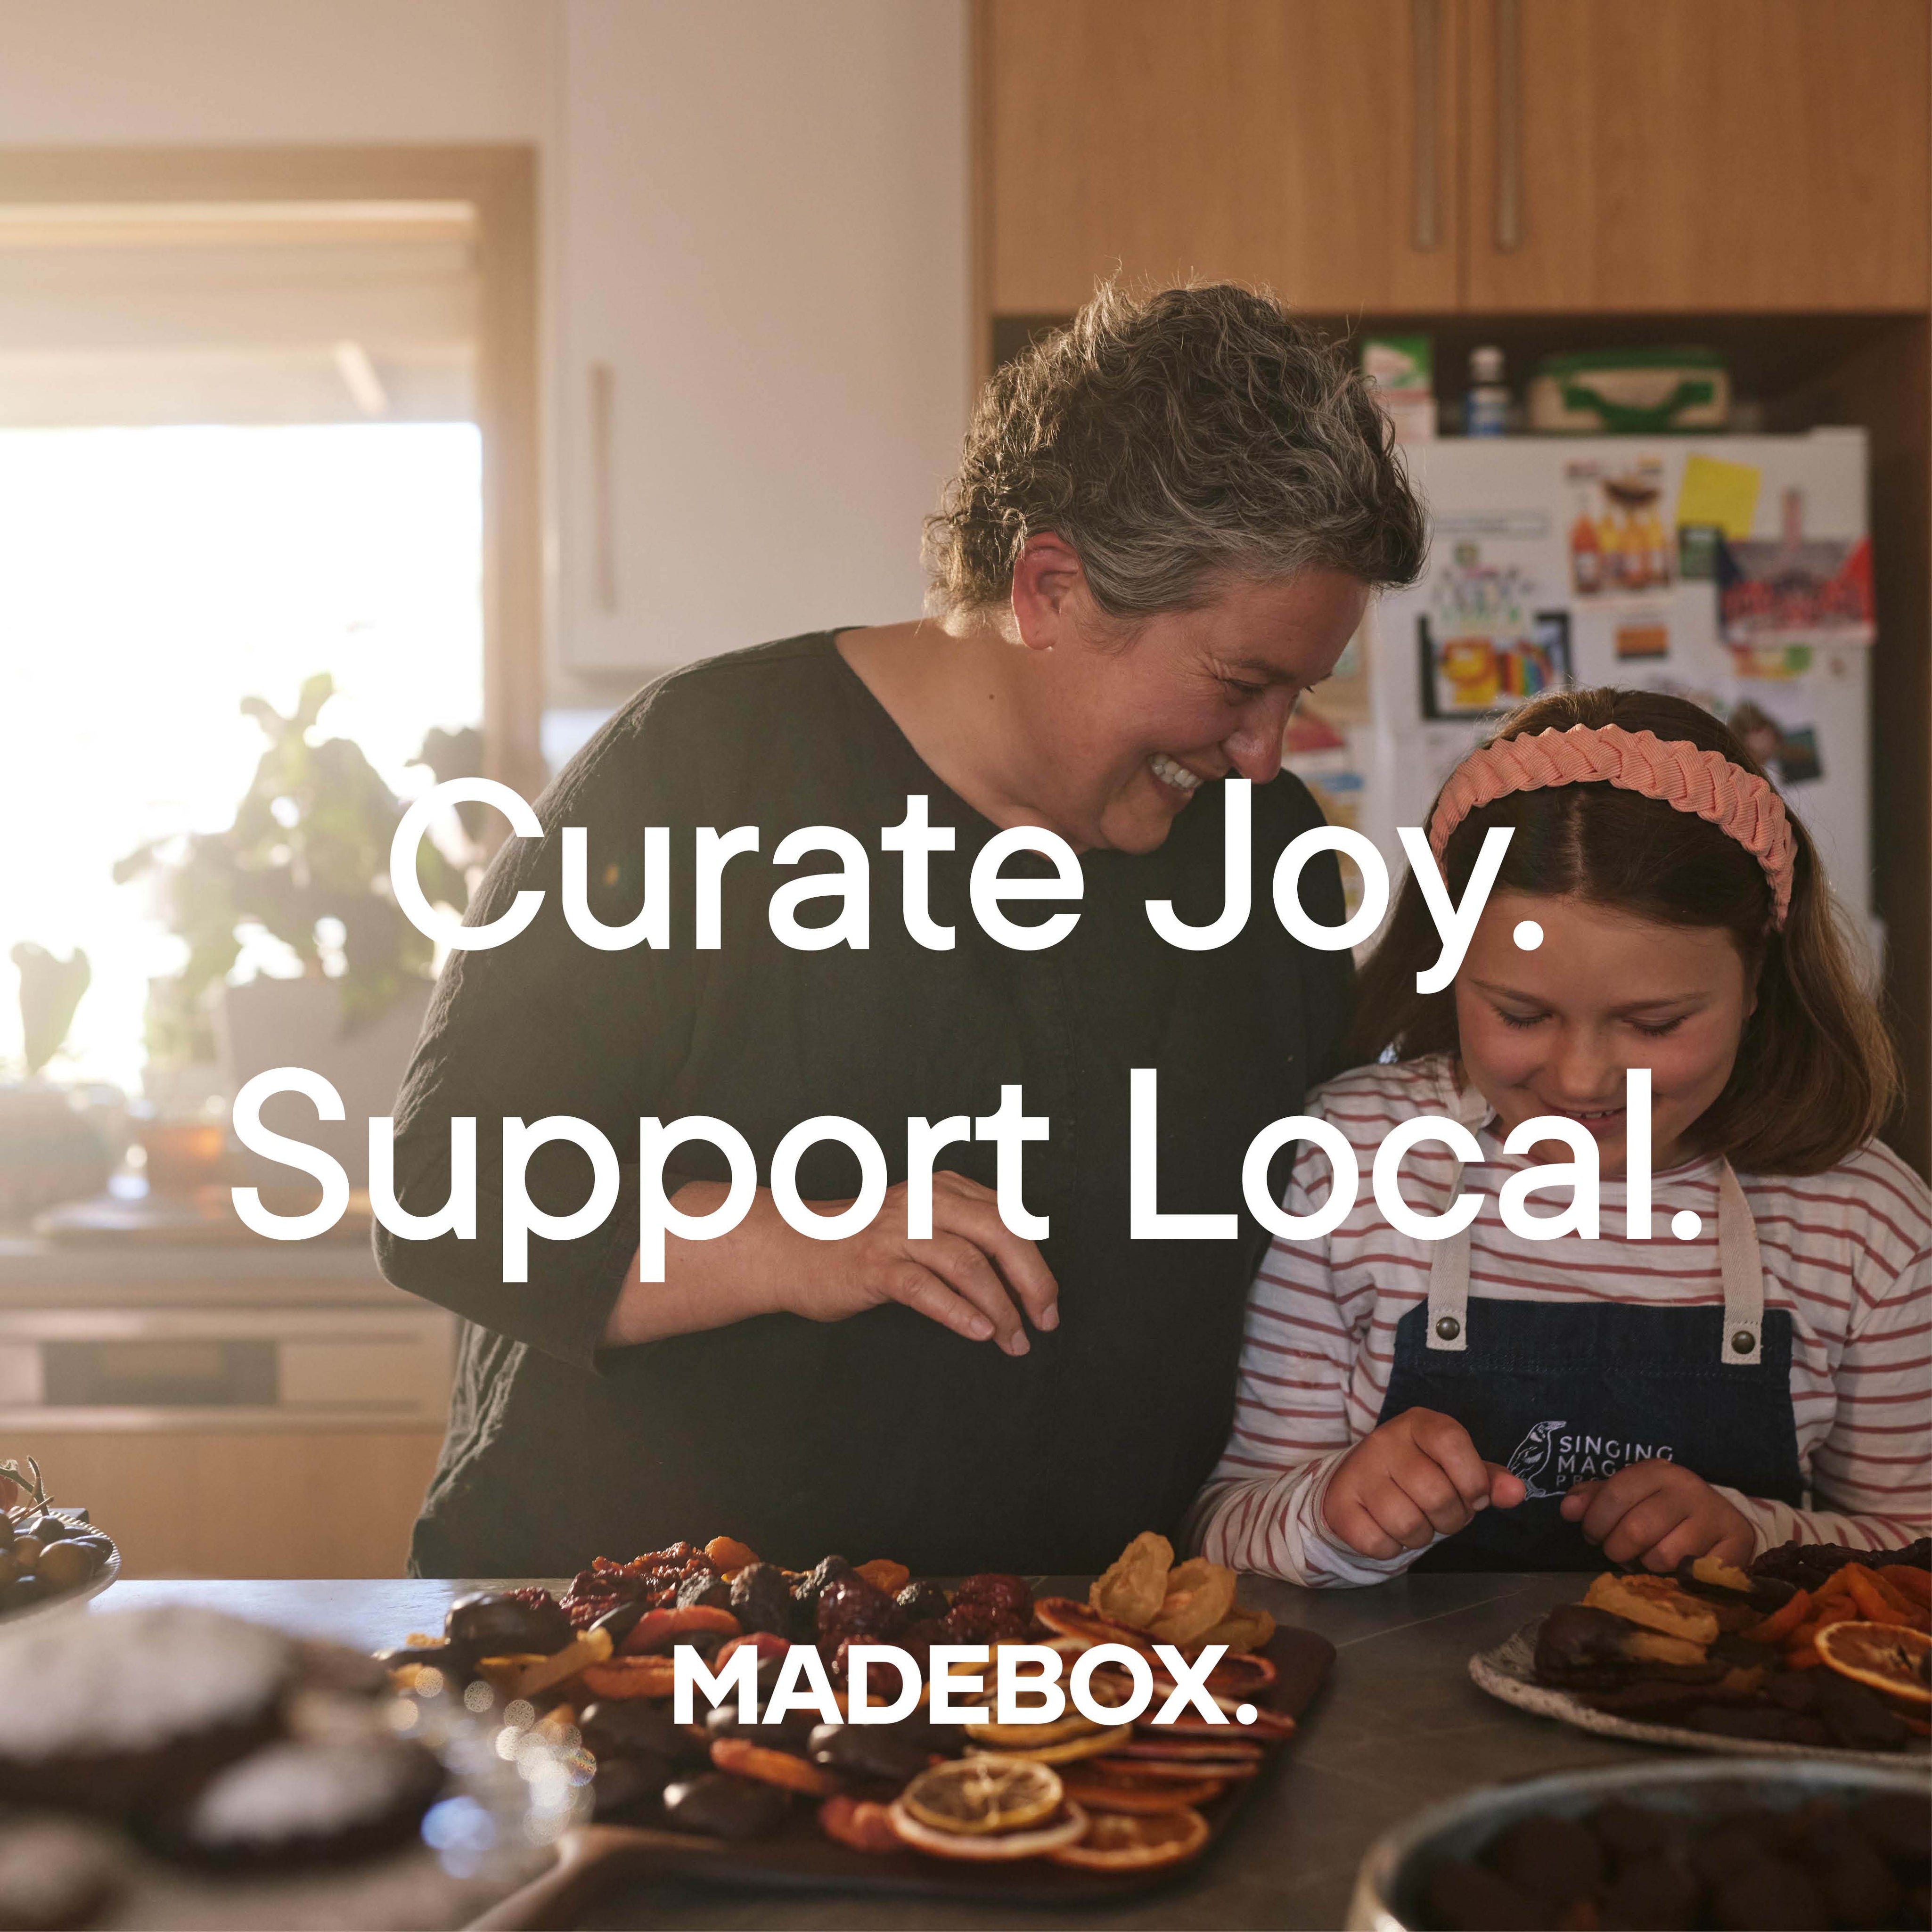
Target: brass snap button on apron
point(1743, 1342)
point(1448, 1328)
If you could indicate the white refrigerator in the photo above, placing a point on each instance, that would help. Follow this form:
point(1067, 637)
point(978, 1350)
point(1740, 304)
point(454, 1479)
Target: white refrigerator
point(1733, 570)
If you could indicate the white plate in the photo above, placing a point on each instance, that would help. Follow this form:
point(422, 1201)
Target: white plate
point(1509, 1671)
point(67, 1599)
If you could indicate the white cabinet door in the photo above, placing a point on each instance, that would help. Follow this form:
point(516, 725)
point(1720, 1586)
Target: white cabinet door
point(762, 322)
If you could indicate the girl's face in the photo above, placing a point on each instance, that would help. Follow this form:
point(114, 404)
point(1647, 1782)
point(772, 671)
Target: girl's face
point(1554, 1030)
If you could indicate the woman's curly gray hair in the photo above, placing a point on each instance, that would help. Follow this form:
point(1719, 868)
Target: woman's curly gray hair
point(1174, 441)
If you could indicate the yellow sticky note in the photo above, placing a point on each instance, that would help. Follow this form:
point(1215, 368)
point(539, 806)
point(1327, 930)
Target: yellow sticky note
point(1717, 492)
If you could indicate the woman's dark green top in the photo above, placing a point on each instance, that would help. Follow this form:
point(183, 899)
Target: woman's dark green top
point(885, 1434)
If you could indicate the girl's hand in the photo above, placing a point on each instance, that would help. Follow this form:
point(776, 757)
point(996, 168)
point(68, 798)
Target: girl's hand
point(1660, 1513)
point(1415, 1478)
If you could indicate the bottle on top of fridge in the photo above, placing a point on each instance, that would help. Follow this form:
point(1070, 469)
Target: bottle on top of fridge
point(1486, 411)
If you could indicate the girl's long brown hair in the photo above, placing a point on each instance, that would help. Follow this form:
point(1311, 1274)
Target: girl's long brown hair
point(1816, 1074)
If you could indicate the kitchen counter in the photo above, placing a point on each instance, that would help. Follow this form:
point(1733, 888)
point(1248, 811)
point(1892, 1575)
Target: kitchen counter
point(1399, 1725)
point(134, 1273)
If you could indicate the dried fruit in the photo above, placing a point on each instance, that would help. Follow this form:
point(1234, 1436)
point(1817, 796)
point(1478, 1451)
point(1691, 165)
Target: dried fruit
point(1199, 1595)
point(1242, 1629)
point(1096, 1787)
point(922, 1601)
point(743, 1759)
point(807, 1590)
point(988, 1848)
point(850, 1610)
point(761, 1599)
point(1119, 1843)
point(882, 1574)
point(1890, 1659)
point(1135, 1585)
point(859, 1823)
point(729, 1555)
point(983, 1623)
point(975, 1795)
point(997, 1591)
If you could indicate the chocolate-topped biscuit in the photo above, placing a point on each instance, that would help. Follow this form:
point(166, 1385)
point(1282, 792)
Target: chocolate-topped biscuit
point(298, 1803)
point(108, 1713)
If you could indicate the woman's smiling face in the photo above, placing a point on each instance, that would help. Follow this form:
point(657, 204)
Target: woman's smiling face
point(1130, 721)
point(1554, 1030)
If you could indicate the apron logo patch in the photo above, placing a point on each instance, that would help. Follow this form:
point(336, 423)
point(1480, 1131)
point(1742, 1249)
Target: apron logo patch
point(1550, 1462)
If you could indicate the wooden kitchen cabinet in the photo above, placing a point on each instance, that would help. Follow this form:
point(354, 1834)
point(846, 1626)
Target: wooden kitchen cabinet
point(1490, 157)
point(1311, 145)
point(1730, 154)
point(217, 1503)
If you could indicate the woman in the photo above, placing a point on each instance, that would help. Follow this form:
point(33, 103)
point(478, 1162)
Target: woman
point(1167, 520)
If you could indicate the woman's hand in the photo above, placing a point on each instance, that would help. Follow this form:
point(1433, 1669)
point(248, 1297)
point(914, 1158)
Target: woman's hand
point(1415, 1478)
point(1658, 1513)
point(973, 1275)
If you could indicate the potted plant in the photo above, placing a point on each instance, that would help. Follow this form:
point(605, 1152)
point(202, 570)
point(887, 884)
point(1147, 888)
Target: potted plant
point(306, 861)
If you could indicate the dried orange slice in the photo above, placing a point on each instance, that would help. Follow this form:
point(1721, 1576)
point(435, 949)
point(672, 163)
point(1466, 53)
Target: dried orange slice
point(632, 1677)
point(743, 1759)
point(1118, 1842)
point(1888, 1657)
point(859, 1823)
point(1071, 1826)
point(972, 1796)
point(1065, 1618)
point(1027, 1737)
point(1094, 1743)
point(1095, 1789)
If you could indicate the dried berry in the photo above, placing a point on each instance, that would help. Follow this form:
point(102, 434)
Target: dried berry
point(806, 1592)
point(921, 1600)
point(1000, 1592)
point(761, 1600)
point(850, 1610)
point(984, 1623)
point(703, 1589)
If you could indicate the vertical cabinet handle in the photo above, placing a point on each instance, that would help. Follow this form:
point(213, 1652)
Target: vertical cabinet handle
point(603, 510)
point(1509, 124)
point(1426, 49)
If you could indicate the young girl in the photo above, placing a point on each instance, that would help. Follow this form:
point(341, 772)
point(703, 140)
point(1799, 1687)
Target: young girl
point(1487, 1402)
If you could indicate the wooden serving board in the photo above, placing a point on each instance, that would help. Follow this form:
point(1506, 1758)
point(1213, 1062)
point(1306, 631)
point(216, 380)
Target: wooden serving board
point(596, 1859)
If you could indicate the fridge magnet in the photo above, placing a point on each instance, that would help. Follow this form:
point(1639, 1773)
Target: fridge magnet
point(1617, 542)
point(1794, 590)
point(1647, 640)
point(1772, 664)
point(1697, 552)
point(1720, 495)
point(1469, 674)
point(1798, 760)
point(1789, 753)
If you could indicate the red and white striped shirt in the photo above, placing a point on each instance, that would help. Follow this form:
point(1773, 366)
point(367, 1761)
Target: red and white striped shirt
point(1847, 1253)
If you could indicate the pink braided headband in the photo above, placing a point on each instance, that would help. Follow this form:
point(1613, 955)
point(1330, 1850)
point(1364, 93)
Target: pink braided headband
point(1686, 778)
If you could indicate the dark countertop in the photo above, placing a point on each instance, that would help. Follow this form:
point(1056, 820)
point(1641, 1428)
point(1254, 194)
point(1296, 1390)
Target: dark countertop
point(1398, 1726)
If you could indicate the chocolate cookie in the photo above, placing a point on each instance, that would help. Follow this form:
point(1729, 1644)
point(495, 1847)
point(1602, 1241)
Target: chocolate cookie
point(111, 1713)
point(295, 1803)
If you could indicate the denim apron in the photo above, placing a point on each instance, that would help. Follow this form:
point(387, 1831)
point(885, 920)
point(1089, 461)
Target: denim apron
point(1561, 1393)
